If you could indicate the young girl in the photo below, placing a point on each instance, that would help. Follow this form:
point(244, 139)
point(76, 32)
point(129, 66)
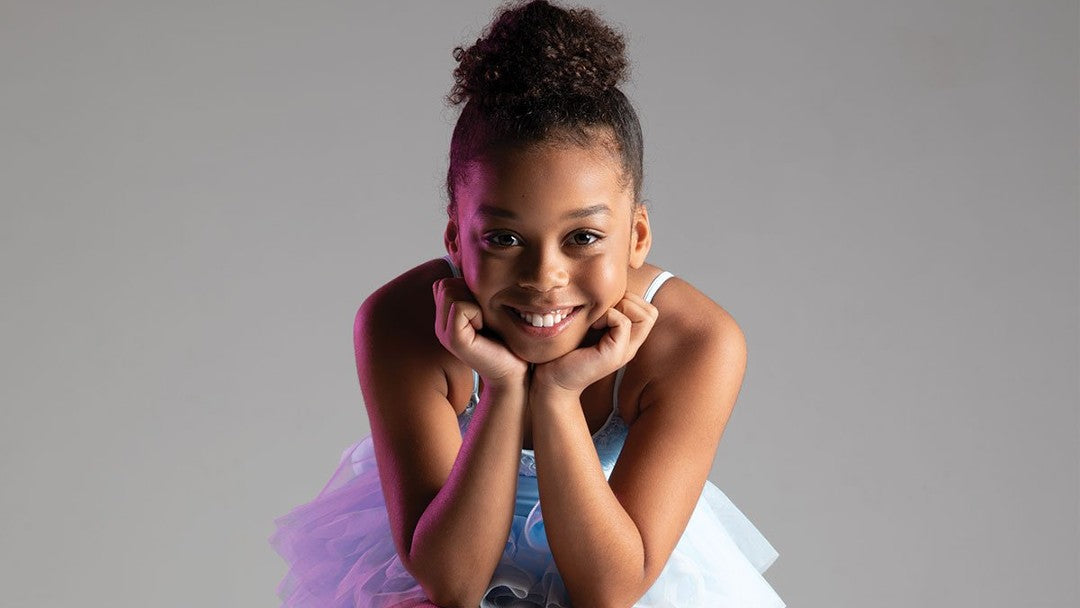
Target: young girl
point(544, 404)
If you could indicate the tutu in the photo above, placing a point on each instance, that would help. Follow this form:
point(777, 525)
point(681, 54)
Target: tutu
point(341, 554)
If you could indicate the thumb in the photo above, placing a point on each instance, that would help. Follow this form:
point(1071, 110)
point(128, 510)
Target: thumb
point(602, 322)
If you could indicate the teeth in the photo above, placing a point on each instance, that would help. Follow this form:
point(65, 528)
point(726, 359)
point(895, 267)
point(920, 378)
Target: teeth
point(545, 320)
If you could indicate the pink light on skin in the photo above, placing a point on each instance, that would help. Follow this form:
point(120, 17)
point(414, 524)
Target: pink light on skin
point(543, 228)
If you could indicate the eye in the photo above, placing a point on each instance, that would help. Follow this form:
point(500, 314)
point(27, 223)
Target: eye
point(501, 239)
point(585, 238)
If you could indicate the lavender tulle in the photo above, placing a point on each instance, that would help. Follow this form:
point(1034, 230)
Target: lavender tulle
point(341, 555)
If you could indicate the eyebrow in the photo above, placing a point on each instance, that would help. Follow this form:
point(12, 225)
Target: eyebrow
point(489, 211)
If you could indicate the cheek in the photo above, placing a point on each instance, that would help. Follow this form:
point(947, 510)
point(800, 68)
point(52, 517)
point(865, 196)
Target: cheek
point(608, 281)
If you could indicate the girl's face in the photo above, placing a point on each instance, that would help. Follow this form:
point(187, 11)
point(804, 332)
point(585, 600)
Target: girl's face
point(551, 233)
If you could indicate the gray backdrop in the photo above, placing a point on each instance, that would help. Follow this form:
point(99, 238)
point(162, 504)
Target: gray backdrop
point(196, 197)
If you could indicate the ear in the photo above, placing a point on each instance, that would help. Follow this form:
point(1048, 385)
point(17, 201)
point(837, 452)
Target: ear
point(452, 241)
point(640, 237)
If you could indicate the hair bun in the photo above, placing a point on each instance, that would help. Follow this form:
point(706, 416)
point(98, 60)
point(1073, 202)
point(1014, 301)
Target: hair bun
point(537, 51)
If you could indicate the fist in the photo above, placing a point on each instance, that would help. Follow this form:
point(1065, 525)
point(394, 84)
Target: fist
point(458, 322)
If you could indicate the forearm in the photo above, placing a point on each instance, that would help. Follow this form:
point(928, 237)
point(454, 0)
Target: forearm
point(462, 534)
point(596, 545)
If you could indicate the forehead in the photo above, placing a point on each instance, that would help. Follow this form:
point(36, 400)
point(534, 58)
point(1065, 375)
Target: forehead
point(543, 177)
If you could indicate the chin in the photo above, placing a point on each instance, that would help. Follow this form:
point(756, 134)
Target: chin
point(539, 355)
point(538, 345)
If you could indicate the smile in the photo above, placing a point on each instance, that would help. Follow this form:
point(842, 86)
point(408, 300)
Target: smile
point(544, 324)
point(546, 319)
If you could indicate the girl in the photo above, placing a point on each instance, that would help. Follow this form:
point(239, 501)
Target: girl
point(544, 404)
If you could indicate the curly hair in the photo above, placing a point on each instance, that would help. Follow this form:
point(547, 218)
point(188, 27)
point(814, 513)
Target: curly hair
point(543, 74)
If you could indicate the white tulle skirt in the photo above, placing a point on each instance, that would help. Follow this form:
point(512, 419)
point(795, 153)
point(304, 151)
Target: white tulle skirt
point(341, 555)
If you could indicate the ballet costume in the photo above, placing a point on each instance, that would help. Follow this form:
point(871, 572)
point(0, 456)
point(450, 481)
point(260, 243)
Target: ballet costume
point(341, 554)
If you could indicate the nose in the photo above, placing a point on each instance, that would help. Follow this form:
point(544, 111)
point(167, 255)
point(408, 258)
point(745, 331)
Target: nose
point(543, 270)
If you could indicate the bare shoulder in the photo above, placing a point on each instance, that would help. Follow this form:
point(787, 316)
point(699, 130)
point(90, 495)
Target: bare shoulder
point(398, 319)
point(691, 332)
point(404, 304)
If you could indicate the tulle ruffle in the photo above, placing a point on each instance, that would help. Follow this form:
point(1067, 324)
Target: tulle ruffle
point(341, 555)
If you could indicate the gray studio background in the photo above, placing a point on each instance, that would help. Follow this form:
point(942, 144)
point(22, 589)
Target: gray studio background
point(196, 197)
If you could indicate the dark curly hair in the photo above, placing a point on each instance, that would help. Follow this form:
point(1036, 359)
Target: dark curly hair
point(543, 74)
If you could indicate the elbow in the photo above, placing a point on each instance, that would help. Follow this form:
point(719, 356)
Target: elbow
point(454, 602)
point(609, 594)
point(457, 589)
point(618, 599)
point(613, 601)
point(447, 597)
point(448, 587)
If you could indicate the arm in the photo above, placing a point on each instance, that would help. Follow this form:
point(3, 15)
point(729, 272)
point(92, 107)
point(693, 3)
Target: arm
point(462, 533)
point(611, 538)
point(593, 540)
point(438, 485)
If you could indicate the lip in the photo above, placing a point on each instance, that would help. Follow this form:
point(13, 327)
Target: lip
point(542, 332)
point(542, 311)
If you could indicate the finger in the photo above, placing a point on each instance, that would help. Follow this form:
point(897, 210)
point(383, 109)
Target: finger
point(447, 291)
point(601, 322)
point(637, 310)
point(461, 335)
point(457, 288)
point(455, 338)
point(642, 316)
point(605, 320)
point(442, 311)
point(634, 297)
point(619, 326)
point(466, 316)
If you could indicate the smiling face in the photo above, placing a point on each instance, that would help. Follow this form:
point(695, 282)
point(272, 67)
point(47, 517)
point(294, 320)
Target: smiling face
point(550, 233)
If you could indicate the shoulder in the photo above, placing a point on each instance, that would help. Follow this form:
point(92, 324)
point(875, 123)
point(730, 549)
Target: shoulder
point(403, 302)
point(394, 327)
point(694, 342)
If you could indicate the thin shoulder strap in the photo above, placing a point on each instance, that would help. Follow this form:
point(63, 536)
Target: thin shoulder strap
point(649, 293)
point(475, 376)
point(655, 285)
point(453, 268)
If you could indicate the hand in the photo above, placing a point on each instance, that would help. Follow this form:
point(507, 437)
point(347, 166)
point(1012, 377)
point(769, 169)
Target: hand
point(627, 324)
point(458, 323)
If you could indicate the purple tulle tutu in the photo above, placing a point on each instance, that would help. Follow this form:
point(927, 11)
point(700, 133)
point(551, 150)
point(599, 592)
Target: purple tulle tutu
point(341, 554)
